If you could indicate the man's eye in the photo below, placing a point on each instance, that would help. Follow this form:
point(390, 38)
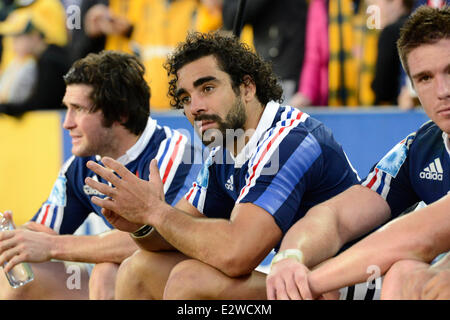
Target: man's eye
point(424, 78)
point(185, 100)
point(208, 88)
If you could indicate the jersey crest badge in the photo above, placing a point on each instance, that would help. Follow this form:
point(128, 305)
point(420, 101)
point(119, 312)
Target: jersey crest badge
point(394, 159)
point(58, 193)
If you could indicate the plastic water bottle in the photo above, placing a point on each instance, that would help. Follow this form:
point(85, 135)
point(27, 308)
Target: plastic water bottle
point(22, 273)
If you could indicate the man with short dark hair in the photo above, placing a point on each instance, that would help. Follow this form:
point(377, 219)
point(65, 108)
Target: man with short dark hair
point(416, 169)
point(107, 101)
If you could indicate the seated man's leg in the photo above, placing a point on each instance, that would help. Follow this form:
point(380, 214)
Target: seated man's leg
point(52, 281)
point(192, 279)
point(144, 274)
point(102, 282)
point(405, 280)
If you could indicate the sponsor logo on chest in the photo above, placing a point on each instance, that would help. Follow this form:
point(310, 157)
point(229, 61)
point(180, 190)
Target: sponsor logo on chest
point(433, 171)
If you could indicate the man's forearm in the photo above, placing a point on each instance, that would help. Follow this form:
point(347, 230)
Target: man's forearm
point(112, 246)
point(196, 237)
point(234, 246)
point(419, 235)
point(328, 226)
point(312, 236)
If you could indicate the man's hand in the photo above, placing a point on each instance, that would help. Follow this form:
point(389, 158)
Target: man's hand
point(133, 199)
point(120, 223)
point(25, 245)
point(438, 287)
point(33, 226)
point(288, 280)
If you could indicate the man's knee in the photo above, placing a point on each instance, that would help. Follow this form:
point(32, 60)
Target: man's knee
point(9, 293)
point(102, 281)
point(129, 279)
point(186, 282)
point(52, 280)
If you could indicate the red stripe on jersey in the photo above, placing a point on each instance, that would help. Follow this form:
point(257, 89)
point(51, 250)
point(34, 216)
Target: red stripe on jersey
point(374, 178)
point(267, 149)
point(260, 159)
point(174, 154)
point(45, 214)
point(192, 190)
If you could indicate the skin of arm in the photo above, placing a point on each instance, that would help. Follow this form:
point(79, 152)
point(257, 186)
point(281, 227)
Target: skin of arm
point(320, 234)
point(420, 235)
point(154, 241)
point(329, 225)
point(234, 246)
point(34, 243)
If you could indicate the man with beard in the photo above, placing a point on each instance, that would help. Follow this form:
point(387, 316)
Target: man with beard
point(267, 166)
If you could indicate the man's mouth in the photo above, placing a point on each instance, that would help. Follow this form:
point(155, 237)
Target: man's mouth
point(75, 138)
point(444, 112)
point(206, 121)
point(205, 125)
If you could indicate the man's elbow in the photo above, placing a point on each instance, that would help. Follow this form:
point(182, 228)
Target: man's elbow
point(235, 266)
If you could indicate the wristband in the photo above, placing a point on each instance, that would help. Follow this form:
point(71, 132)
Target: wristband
point(288, 253)
point(142, 232)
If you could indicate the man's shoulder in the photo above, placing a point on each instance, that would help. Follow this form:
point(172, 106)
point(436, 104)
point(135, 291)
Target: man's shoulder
point(295, 125)
point(168, 146)
point(429, 133)
point(162, 133)
point(428, 128)
point(293, 121)
point(415, 144)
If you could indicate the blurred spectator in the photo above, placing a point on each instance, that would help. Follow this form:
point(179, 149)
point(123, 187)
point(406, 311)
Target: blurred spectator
point(340, 56)
point(313, 83)
point(52, 24)
point(278, 35)
point(81, 44)
point(150, 29)
point(365, 41)
point(44, 84)
point(19, 78)
point(353, 51)
point(209, 15)
point(386, 84)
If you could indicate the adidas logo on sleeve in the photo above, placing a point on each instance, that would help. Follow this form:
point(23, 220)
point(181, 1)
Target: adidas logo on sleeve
point(433, 171)
point(229, 185)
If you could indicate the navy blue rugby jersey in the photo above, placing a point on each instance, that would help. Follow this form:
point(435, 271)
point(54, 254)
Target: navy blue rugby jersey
point(291, 163)
point(69, 202)
point(416, 169)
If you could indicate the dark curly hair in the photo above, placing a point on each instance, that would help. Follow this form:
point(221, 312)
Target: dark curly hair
point(119, 88)
point(233, 57)
point(425, 26)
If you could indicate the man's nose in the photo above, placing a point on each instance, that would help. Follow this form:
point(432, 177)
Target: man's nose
point(443, 86)
point(68, 120)
point(198, 105)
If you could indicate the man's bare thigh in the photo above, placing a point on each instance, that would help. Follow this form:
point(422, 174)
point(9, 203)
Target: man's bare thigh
point(52, 281)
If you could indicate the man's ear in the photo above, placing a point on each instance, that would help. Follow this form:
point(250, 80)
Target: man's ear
point(249, 88)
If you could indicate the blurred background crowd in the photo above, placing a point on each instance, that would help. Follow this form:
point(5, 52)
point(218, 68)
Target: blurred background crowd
point(328, 53)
